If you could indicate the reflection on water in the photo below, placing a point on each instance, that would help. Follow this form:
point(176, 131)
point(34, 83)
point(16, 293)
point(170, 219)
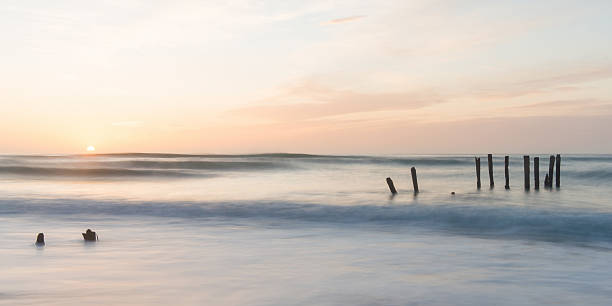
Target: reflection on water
point(143, 261)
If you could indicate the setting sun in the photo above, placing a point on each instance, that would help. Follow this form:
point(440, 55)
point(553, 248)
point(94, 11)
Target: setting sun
point(91, 149)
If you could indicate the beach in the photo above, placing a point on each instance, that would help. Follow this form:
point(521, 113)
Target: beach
point(297, 229)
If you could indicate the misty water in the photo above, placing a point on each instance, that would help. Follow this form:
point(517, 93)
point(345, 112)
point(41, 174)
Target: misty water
point(294, 229)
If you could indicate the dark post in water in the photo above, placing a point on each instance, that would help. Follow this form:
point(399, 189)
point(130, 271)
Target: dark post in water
point(536, 172)
point(415, 184)
point(558, 172)
point(551, 165)
point(526, 166)
point(490, 161)
point(391, 187)
point(477, 160)
point(506, 173)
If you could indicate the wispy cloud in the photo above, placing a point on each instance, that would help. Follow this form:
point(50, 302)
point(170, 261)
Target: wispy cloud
point(127, 123)
point(547, 80)
point(309, 100)
point(343, 20)
point(568, 107)
point(558, 104)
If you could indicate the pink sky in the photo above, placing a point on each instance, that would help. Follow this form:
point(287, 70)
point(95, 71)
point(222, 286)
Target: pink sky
point(315, 77)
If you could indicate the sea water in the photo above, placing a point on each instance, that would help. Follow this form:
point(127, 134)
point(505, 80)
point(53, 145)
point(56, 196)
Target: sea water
point(296, 229)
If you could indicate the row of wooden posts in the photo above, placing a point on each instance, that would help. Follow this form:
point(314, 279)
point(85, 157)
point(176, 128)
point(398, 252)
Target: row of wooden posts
point(548, 181)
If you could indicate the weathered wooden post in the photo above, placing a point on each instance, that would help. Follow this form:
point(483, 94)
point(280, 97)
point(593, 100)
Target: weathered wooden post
point(558, 172)
point(551, 165)
point(415, 184)
point(526, 167)
point(477, 160)
point(506, 172)
point(490, 161)
point(536, 172)
point(391, 186)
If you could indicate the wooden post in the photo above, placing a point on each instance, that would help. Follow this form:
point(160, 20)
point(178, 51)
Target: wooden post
point(551, 165)
point(477, 160)
point(558, 172)
point(490, 161)
point(536, 172)
point(391, 186)
point(415, 184)
point(526, 167)
point(506, 172)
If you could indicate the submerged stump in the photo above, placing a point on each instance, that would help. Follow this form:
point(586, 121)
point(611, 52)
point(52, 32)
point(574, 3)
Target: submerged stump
point(40, 239)
point(90, 235)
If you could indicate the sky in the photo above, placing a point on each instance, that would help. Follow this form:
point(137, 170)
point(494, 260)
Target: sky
point(328, 77)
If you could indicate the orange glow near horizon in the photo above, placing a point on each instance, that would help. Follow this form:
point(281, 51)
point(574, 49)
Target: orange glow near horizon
point(398, 77)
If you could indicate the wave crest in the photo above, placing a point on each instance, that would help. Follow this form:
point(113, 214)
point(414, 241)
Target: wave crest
point(502, 221)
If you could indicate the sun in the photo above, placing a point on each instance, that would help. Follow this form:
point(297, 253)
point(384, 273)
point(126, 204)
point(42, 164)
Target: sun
point(91, 149)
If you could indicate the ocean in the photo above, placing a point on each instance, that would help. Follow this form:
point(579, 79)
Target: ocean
point(299, 229)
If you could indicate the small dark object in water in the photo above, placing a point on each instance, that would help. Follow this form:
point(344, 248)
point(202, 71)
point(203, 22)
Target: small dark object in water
point(40, 239)
point(90, 235)
point(453, 193)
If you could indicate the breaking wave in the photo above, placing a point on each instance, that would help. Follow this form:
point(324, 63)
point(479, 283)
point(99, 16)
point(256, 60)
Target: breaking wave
point(501, 221)
point(591, 175)
point(92, 172)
